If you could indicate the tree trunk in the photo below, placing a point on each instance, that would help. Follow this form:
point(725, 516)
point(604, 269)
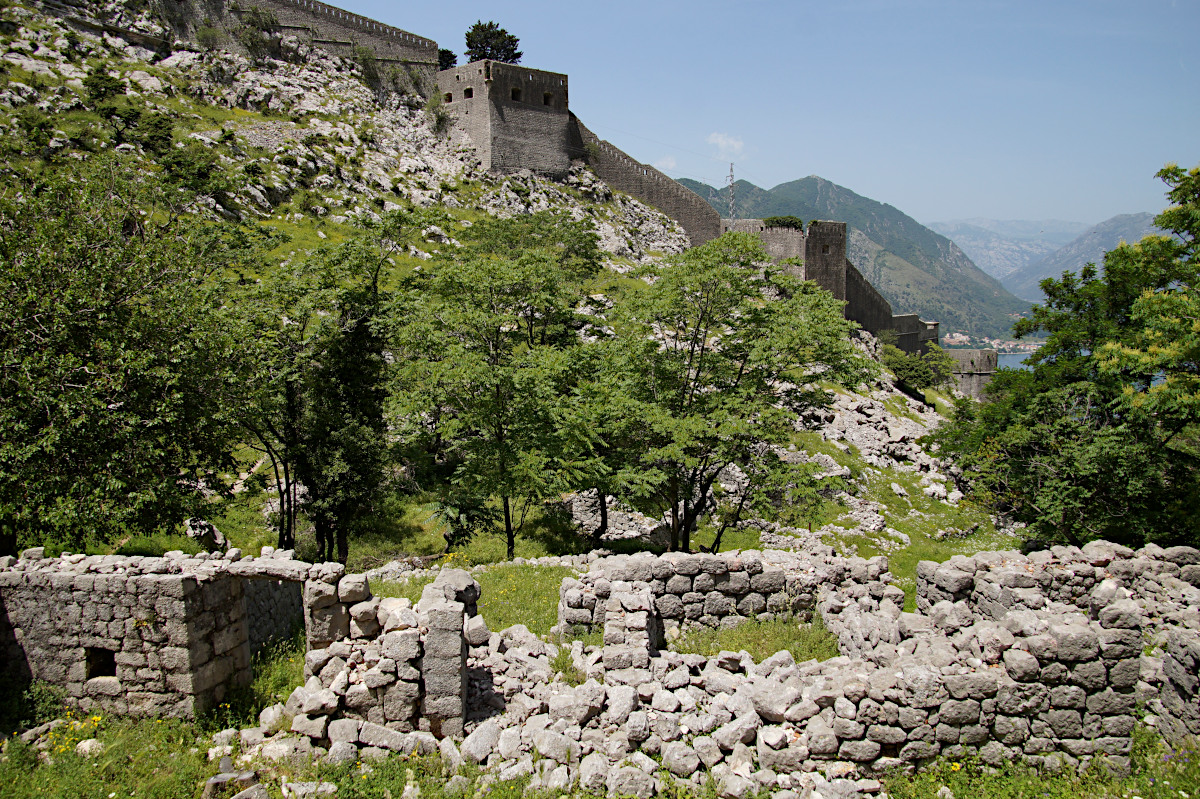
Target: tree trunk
point(603, 528)
point(509, 533)
point(343, 544)
point(674, 494)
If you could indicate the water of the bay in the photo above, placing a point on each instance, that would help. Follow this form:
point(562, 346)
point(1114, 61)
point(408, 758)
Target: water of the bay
point(1013, 360)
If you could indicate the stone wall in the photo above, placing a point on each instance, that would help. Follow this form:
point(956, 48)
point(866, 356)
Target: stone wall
point(137, 636)
point(144, 636)
point(315, 23)
point(516, 117)
point(973, 370)
point(694, 214)
point(1037, 659)
point(822, 248)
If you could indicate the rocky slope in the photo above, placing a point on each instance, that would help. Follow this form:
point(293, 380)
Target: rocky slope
point(305, 142)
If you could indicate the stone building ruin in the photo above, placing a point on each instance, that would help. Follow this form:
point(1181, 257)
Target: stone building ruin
point(1008, 657)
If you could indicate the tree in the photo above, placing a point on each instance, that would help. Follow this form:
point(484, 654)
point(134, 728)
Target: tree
point(101, 86)
point(116, 354)
point(918, 371)
point(1098, 440)
point(487, 41)
point(446, 58)
point(485, 361)
point(316, 376)
point(721, 354)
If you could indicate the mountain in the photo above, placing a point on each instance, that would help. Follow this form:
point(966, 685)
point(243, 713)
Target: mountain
point(1087, 248)
point(916, 269)
point(1000, 247)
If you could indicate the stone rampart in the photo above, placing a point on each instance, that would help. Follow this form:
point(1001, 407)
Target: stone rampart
point(623, 173)
point(973, 370)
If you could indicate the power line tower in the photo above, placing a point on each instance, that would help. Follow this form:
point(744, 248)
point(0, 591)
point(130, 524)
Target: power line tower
point(731, 200)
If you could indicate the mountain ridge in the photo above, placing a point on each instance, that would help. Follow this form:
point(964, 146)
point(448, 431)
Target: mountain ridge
point(917, 269)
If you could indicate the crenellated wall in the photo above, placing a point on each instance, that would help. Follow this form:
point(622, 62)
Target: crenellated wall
point(315, 23)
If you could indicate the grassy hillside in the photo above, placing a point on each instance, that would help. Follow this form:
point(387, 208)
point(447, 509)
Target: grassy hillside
point(917, 270)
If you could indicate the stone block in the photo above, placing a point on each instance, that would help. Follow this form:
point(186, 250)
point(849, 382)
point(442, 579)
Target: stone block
point(353, 588)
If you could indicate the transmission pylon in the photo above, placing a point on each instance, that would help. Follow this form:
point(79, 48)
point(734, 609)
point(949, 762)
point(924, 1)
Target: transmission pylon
point(731, 200)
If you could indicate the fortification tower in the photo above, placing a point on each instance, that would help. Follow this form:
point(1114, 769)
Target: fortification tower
point(825, 256)
point(516, 117)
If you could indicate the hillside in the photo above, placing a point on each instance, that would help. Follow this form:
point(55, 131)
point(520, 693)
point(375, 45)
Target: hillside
point(1087, 248)
point(1000, 247)
point(916, 269)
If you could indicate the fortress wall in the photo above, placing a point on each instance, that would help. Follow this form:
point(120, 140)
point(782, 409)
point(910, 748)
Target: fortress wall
point(472, 114)
point(530, 123)
point(779, 242)
point(694, 214)
point(516, 117)
point(825, 256)
point(864, 304)
point(322, 25)
point(973, 370)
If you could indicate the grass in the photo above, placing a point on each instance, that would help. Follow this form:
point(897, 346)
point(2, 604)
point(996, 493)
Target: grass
point(920, 518)
point(509, 594)
point(1159, 773)
point(806, 641)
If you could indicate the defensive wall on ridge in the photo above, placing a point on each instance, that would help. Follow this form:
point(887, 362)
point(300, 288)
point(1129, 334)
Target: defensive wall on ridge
point(315, 23)
point(822, 249)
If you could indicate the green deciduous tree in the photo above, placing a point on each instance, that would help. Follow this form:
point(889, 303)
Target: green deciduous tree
point(720, 354)
point(1099, 439)
point(918, 371)
point(315, 379)
point(485, 361)
point(116, 358)
point(487, 41)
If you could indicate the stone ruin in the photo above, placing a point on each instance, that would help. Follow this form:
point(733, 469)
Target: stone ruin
point(1039, 658)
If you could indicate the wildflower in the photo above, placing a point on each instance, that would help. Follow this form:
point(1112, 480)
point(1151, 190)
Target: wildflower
point(955, 766)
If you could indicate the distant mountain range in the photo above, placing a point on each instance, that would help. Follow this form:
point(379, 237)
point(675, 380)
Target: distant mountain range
point(1000, 247)
point(1022, 253)
point(916, 269)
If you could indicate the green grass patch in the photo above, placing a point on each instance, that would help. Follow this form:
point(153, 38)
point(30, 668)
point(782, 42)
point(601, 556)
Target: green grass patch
point(563, 664)
point(154, 758)
point(806, 641)
point(278, 668)
point(510, 594)
point(156, 544)
point(1159, 772)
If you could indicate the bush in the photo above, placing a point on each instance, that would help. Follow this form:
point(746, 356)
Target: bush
point(794, 222)
point(209, 37)
point(931, 369)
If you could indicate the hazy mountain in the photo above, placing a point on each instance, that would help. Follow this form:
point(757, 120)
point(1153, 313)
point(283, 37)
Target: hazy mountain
point(916, 269)
point(1000, 247)
point(1087, 248)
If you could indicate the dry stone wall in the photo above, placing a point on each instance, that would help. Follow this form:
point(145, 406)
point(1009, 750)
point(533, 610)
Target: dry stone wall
point(139, 636)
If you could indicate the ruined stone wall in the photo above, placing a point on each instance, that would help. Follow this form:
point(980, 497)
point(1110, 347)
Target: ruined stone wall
point(315, 23)
point(127, 635)
point(273, 611)
point(694, 215)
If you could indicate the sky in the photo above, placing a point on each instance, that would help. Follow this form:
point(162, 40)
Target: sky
point(945, 109)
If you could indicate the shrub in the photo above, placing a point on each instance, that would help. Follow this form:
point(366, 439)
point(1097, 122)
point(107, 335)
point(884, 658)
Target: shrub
point(793, 222)
point(209, 37)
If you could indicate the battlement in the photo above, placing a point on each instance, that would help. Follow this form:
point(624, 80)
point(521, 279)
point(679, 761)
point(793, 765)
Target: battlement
point(319, 24)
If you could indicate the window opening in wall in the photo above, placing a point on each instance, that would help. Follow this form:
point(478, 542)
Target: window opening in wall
point(516, 94)
point(448, 97)
point(547, 98)
point(824, 248)
point(101, 662)
point(468, 93)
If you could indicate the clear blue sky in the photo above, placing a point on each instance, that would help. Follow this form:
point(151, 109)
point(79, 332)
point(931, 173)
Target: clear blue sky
point(945, 109)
